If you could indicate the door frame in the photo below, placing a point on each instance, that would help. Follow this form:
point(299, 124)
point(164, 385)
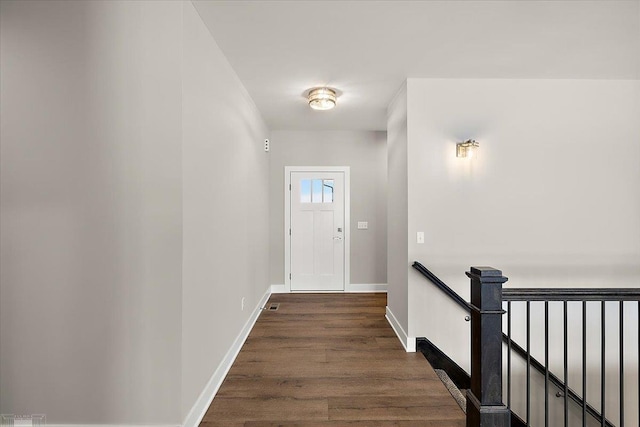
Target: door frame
point(287, 220)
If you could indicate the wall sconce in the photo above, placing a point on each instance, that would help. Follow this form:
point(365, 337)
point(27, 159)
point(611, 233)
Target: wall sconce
point(467, 149)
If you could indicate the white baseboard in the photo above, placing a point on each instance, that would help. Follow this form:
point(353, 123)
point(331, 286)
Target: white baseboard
point(409, 343)
point(354, 288)
point(206, 397)
point(112, 425)
point(279, 289)
point(367, 287)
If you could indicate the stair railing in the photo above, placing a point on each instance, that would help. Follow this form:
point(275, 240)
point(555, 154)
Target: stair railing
point(485, 405)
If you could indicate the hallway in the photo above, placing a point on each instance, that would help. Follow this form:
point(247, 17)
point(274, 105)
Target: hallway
point(329, 359)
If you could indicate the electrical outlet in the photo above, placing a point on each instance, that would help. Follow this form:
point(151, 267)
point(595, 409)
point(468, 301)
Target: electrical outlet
point(363, 225)
point(242, 304)
point(420, 237)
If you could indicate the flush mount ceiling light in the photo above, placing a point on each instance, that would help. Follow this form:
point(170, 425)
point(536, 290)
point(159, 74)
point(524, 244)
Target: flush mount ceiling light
point(467, 148)
point(322, 98)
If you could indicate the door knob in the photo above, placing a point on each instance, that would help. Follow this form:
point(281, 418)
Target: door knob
point(337, 238)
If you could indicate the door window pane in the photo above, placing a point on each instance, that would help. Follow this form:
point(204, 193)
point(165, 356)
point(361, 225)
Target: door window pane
point(305, 191)
point(327, 191)
point(317, 191)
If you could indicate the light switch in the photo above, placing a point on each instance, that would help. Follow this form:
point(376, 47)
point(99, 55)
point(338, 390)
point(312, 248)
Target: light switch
point(420, 237)
point(363, 225)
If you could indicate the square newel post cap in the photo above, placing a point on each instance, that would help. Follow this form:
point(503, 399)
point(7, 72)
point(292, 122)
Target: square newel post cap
point(486, 275)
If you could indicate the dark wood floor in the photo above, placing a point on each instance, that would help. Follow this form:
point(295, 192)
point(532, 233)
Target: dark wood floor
point(330, 360)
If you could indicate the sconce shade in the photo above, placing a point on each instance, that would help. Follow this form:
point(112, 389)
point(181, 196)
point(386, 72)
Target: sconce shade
point(467, 149)
point(322, 98)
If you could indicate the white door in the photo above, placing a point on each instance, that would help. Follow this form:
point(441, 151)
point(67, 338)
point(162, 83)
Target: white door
point(317, 231)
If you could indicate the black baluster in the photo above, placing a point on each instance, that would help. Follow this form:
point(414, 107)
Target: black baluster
point(509, 354)
point(566, 368)
point(584, 364)
point(546, 363)
point(621, 363)
point(528, 363)
point(602, 364)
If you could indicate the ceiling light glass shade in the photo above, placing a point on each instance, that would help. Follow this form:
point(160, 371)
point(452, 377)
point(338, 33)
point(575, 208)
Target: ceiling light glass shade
point(467, 149)
point(322, 98)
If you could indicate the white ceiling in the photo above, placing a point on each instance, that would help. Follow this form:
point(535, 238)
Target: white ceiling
point(366, 49)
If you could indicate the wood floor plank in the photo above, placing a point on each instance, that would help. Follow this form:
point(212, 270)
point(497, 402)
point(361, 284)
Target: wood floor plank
point(299, 329)
point(316, 388)
point(336, 343)
point(364, 423)
point(329, 360)
point(285, 409)
point(394, 408)
point(276, 357)
point(222, 424)
point(391, 355)
point(388, 342)
point(310, 369)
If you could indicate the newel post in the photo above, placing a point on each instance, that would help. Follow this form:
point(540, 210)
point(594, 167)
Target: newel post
point(484, 401)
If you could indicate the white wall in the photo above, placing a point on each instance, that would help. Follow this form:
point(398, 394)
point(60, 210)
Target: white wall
point(130, 224)
point(225, 207)
point(91, 216)
point(397, 211)
point(553, 198)
point(365, 153)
